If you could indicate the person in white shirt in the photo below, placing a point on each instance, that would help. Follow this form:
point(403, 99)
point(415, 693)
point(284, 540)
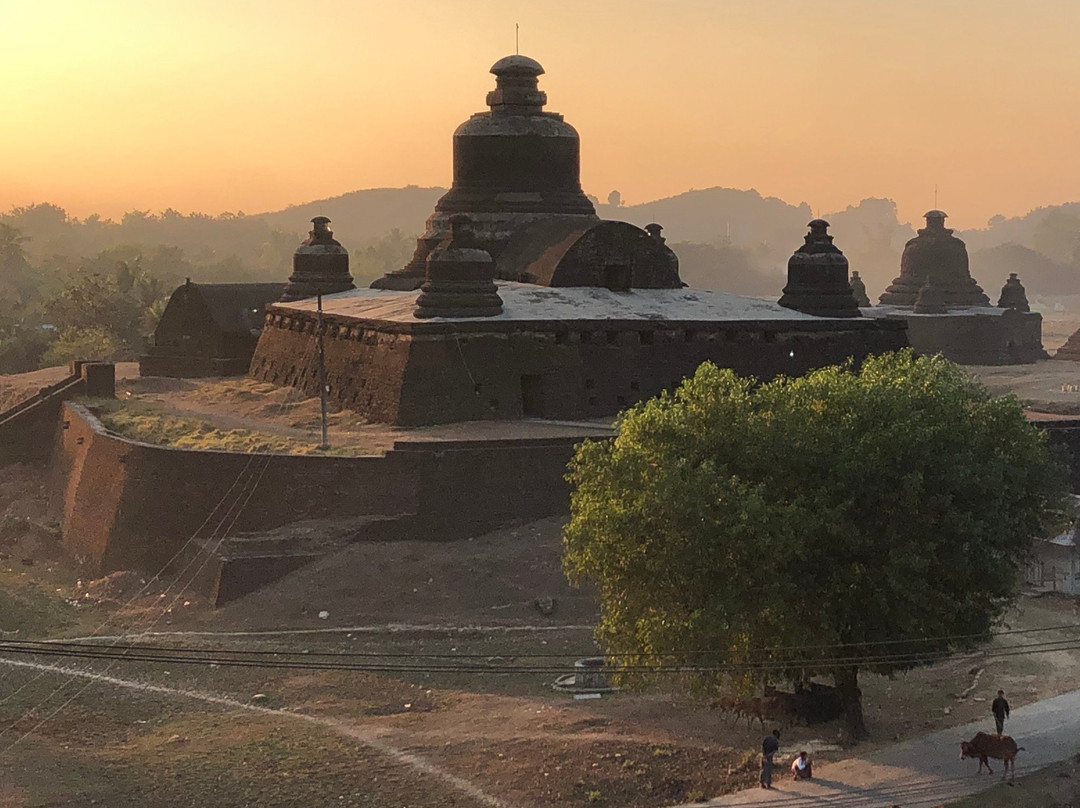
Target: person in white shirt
point(801, 768)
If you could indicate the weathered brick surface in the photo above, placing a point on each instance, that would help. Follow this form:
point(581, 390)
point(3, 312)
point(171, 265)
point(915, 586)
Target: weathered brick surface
point(558, 370)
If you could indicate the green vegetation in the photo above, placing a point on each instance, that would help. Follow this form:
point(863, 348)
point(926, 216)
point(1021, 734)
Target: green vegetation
point(848, 517)
point(30, 613)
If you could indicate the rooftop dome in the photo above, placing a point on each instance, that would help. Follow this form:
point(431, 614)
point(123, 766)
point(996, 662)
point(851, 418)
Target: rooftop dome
point(514, 164)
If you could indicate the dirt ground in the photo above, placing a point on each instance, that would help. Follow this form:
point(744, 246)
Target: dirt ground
point(499, 597)
point(507, 734)
point(1051, 386)
point(1056, 786)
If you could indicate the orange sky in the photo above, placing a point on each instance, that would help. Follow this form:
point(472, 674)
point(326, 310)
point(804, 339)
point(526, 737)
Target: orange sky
point(254, 104)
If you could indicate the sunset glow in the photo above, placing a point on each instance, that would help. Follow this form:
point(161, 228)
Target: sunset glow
point(255, 104)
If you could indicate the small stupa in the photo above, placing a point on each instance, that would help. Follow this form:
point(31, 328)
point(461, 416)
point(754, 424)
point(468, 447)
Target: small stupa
point(1013, 296)
point(858, 288)
point(1071, 349)
point(930, 300)
point(818, 277)
point(320, 265)
point(460, 278)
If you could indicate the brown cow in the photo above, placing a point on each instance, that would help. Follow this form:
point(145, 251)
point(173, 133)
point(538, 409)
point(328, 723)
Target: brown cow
point(984, 746)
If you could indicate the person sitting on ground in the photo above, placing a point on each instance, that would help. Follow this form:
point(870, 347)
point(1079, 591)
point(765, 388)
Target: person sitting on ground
point(801, 768)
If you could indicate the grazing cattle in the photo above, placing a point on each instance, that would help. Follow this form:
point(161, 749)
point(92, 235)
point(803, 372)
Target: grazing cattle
point(984, 746)
point(753, 710)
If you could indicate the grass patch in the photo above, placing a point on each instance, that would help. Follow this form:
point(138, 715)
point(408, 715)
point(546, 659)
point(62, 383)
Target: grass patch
point(32, 614)
point(144, 422)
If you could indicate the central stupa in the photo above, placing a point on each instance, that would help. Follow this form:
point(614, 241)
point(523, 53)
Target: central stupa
point(514, 165)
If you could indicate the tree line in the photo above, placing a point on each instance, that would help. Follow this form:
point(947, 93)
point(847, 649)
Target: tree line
point(79, 288)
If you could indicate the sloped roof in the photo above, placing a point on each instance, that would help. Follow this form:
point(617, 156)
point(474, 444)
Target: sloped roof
point(234, 307)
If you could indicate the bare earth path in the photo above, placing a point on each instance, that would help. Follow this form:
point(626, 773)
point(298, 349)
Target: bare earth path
point(926, 771)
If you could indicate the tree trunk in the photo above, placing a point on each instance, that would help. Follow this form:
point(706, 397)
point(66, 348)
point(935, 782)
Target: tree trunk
point(847, 688)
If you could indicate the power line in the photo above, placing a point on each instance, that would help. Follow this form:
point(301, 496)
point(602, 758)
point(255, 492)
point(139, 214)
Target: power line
point(295, 660)
point(762, 652)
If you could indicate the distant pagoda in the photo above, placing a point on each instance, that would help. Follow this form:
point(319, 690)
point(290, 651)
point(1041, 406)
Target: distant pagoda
point(937, 255)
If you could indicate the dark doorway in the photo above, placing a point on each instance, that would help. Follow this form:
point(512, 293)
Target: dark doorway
point(532, 396)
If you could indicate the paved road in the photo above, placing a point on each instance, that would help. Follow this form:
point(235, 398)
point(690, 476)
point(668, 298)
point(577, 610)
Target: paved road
point(926, 771)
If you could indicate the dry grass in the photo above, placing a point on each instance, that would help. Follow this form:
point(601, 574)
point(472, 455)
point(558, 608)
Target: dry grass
point(145, 422)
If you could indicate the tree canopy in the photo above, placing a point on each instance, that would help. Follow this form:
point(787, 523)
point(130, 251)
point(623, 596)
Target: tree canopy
point(841, 521)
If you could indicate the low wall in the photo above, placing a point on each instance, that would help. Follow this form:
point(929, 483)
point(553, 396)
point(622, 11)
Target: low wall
point(27, 429)
point(467, 487)
point(127, 504)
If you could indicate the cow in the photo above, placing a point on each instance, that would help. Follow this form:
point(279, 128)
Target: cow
point(984, 746)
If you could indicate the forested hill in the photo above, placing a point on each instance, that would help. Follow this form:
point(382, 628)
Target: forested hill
point(362, 215)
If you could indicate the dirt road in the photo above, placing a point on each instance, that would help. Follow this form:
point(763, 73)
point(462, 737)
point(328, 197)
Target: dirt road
point(926, 771)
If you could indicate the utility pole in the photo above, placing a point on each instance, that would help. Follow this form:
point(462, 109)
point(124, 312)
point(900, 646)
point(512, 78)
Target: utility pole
point(322, 378)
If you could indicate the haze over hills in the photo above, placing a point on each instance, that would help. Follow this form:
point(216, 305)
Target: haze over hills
point(726, 238)
point(740, 241)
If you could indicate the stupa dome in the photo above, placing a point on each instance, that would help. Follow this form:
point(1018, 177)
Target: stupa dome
point(818, 277)
point(935, 253)
point(320, 265)
point(514, 165)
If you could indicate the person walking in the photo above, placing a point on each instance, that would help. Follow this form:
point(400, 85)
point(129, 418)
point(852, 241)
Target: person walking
point(1000, 709)
point(769, 747)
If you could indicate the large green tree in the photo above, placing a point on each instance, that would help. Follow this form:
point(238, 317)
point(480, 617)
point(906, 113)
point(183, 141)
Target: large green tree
point(823, 525)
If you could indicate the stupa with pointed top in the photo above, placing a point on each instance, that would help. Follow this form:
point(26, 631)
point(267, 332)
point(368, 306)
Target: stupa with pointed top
point(937, 254)
point(818, 277)
point(1013, 295)
point(320, 265)
point(514, 165)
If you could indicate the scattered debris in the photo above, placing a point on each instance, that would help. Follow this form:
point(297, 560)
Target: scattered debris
point(546, 606)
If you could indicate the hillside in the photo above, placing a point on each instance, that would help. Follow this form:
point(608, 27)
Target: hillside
point(361, 215)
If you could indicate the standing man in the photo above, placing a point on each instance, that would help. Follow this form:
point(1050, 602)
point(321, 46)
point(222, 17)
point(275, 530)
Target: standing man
point(1000, 709)
point(769, 747)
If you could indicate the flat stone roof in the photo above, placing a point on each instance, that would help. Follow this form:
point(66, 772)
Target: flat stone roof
point(523, 302)
point(880, 311)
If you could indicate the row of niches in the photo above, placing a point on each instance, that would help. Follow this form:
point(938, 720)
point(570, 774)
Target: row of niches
point(331, 330)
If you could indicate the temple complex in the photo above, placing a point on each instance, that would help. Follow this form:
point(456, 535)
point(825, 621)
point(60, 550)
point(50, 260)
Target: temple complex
point(947, 312)
point(521, 302)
